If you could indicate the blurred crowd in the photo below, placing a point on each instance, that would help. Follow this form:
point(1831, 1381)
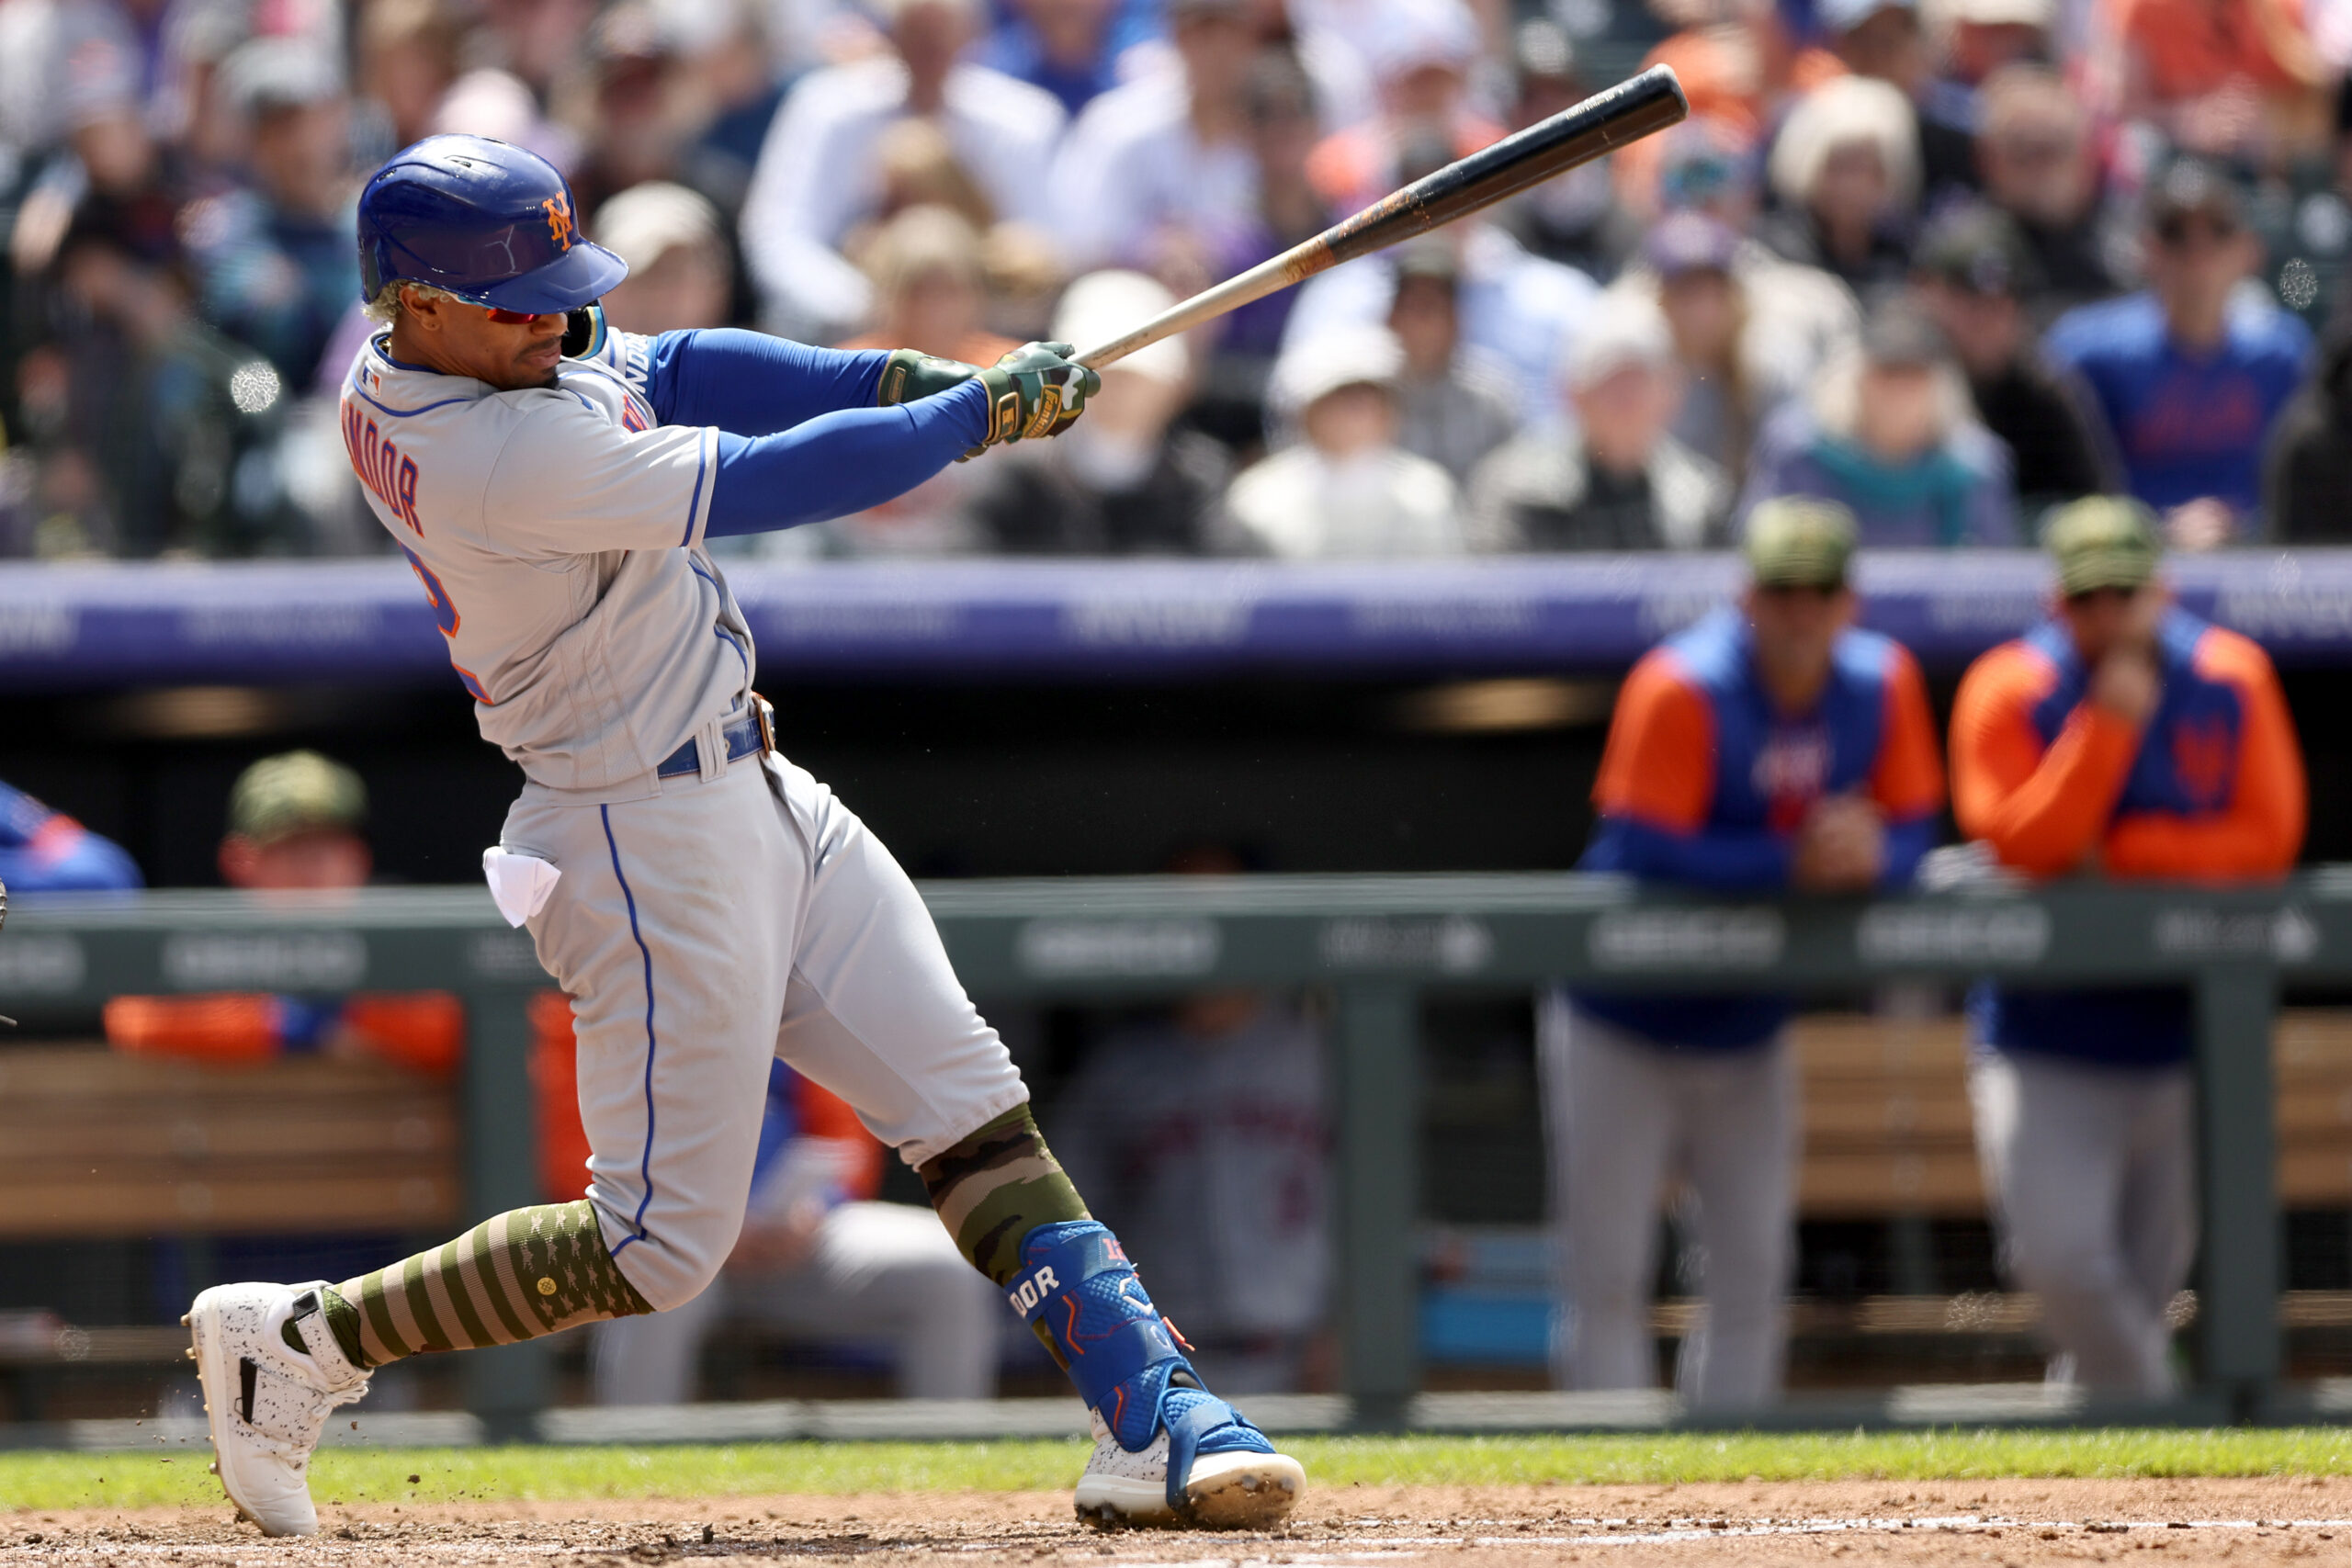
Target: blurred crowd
point(1950, 263)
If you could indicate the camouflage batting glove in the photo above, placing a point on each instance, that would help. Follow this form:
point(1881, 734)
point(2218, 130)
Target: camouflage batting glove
point(908, 374)
point(1036, 391)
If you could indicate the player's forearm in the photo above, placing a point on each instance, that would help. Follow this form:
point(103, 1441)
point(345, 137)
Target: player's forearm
point(1908, 843)
point(840, 463)
point(749, 384)
point(1727, 859)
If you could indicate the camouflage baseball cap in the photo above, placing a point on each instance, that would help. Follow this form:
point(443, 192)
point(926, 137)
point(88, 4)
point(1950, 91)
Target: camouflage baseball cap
point(1798, 541)
point(2102, 541)
point(296, 790)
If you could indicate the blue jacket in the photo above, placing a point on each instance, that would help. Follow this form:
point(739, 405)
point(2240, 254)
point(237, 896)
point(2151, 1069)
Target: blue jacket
point(1704, 784)
point(2210, 788)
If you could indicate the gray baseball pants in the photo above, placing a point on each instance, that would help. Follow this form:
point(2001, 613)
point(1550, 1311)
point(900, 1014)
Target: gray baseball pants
point(2092, 1172)
point(703, 930)
point(1623, 1116)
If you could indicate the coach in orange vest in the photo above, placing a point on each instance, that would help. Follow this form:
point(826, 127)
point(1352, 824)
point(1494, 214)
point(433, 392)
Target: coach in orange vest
point(2121, 737)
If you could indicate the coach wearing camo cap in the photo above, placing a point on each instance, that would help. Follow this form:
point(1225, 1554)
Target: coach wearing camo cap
point(2121, 737)
point(1773, 746)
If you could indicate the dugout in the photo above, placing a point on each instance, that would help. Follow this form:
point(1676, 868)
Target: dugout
point(995, 718)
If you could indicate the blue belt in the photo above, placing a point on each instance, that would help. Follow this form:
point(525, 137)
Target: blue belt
point(747, 737)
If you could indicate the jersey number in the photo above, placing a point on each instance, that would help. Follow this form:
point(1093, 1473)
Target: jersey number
point(445, 615)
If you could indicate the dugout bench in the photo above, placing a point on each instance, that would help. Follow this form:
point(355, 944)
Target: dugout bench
point(1377, 943)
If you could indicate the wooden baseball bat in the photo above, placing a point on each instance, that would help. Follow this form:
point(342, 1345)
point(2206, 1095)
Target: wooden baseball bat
point(1636, 107)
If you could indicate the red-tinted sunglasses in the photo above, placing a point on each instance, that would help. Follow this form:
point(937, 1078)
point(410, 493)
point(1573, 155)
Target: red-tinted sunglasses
point(515, 317)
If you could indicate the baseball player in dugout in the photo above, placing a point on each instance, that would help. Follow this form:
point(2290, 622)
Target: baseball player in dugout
point(706, 905)
point(2124, 737)
point(1772, 745)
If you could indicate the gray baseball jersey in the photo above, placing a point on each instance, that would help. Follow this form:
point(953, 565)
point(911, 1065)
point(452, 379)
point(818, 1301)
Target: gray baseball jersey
point(703, 923)
point(557, 532)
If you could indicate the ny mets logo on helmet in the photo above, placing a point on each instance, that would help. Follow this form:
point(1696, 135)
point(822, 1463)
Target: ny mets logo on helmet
point(558, 210)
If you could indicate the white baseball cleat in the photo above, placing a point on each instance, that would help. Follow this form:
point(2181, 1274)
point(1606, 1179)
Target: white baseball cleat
point(264, 1401)
point(1252, 1488)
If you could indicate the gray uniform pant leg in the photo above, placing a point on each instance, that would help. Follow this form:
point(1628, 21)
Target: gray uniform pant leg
point(703, 931)
point(2093, 1175)
point(878, 1272)
point(1622, 1115)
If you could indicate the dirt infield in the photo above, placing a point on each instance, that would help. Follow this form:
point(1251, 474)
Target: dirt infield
point(2011, 1522)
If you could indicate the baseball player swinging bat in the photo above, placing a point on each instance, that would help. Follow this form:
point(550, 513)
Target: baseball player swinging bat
point(708, 908)
point(1638, 106)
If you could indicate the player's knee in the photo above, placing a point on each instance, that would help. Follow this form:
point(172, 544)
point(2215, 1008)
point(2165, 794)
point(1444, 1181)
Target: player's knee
point(2049, 1257)
point(676, 1260)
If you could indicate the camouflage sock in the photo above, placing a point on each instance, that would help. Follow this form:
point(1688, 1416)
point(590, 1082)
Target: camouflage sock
point(995, 1187)
point(515, 1276)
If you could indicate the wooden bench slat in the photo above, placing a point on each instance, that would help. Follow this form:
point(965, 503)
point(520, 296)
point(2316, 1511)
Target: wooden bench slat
point(202, 1136)
point(95, 1143)
point(319, 1201)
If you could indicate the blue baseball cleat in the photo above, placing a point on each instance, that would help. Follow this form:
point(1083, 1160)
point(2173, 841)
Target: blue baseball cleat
point(1167, 1452)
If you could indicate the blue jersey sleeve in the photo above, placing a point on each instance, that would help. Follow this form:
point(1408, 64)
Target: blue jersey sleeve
point(842, 462)
point(1727, 860)
point(749, 384)
point(81, 863)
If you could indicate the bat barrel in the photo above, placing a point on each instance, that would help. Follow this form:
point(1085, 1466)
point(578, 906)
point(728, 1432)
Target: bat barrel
point(1637, 107)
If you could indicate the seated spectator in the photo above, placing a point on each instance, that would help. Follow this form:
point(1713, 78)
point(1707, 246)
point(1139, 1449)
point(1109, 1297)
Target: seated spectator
point(1571, 217)
point(1457, 403)
point(1121, 480)
point(1888, 433)
point(1421, 52)
point(1065, 47)
point(1203, 1134)
point(1229, 401)
point(731, 91)
point(1346, 488)
point(933, 296)
point(818, 1258)
point(1519, 309)
point(408, 60)
point(636, 84)
point(681, 272)
point(1882, 40)
point(2191, 372)
point(1974, 39)
point(498, 104)
point(43, 851)
point(1972, 279)
point(1847, 171)
point(816, 175)
point(154, 413)
point(1750, 331)
point(274, 263)
point(2307, 483)
point(1772, 745)
point(1619, 482)
point(930, 288)
point(2220, 78)
point(2035, 157)
point(1157, 175)
point(1707, 164)
point(2127, 739)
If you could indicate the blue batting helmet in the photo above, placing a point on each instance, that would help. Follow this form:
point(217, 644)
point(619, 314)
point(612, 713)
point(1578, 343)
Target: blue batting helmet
point(487, 221)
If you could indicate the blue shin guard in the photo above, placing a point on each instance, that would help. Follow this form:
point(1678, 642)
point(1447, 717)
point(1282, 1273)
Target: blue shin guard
point(1076, 1281)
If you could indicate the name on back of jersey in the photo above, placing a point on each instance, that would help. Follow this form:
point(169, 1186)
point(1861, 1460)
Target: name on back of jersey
point(381, 466)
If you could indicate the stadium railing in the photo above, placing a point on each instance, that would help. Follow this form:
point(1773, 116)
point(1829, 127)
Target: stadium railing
point(1378, 943)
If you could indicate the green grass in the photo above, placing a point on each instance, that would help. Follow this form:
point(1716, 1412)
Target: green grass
point(139, 1479)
